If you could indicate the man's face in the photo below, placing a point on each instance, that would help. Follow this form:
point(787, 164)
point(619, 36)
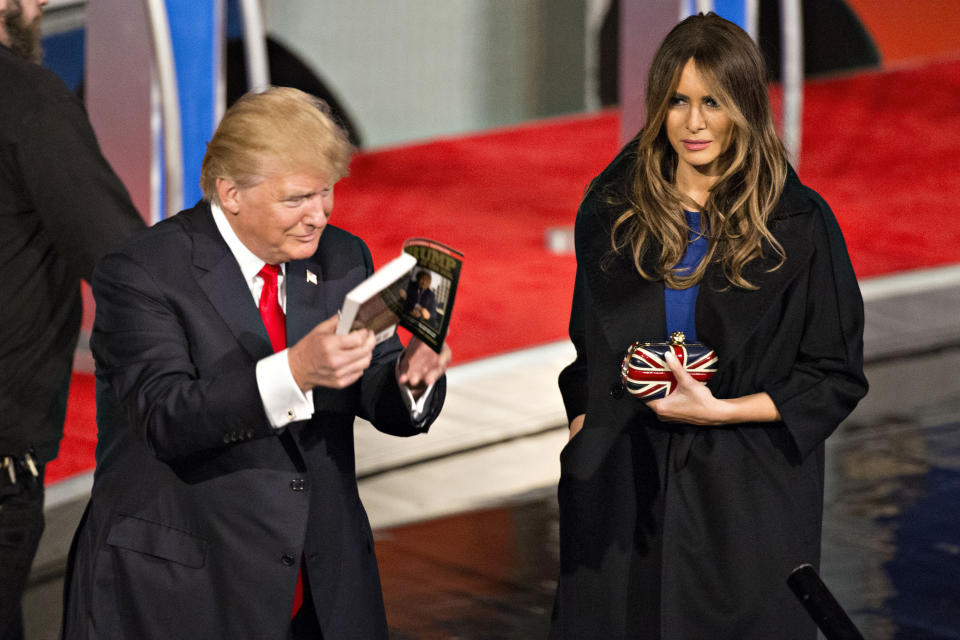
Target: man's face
point(281, 218)
point(21, 27)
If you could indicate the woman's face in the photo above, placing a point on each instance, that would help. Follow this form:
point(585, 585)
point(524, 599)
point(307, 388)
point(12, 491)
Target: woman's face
point(697, 126)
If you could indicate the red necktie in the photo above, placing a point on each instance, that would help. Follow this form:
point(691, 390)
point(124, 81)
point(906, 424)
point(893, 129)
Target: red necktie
point(270, 309)
point(274, 321)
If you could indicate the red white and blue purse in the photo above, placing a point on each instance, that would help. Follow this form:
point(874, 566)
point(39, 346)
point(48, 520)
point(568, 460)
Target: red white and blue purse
point(645, 373)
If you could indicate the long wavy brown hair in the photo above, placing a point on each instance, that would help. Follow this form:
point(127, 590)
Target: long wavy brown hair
point(754, 166)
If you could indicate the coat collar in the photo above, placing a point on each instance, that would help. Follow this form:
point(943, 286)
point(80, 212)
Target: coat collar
point(794, 198)
point(728, 316)
point(629, 307)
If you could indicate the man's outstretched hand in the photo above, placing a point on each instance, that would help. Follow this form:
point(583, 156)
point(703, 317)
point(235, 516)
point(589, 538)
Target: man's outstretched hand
point(420, 366)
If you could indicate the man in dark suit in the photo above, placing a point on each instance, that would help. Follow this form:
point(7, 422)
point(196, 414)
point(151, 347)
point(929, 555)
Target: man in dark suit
point(60, 207)
point(225, 462)
point(420, 300)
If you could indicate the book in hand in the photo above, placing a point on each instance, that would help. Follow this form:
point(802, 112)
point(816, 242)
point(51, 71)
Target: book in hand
point(415, 290)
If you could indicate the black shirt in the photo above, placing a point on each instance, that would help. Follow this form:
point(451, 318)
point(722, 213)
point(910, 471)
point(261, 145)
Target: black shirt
point(61, 206)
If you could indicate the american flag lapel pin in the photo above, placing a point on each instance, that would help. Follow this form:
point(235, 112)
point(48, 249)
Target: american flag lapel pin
point(311, 277)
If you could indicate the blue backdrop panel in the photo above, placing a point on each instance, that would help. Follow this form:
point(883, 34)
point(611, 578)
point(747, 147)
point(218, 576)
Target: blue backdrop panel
point(195, 29)
point(733, 10)
point(63, 54)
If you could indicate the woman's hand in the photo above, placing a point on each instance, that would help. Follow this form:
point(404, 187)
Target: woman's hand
point(575, 425)
point(693, 403)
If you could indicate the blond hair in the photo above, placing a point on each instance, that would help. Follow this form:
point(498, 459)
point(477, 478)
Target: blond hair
point(739, 204)
point(280, 129)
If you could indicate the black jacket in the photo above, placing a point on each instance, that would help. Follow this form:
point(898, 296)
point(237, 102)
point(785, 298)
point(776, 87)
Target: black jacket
point(709, 520)
point(60, 207)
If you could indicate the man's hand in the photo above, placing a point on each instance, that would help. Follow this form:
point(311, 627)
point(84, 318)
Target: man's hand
point(323, 359)
point(420, 366)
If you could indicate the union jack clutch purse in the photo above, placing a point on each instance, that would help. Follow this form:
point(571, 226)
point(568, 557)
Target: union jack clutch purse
point(645, 373)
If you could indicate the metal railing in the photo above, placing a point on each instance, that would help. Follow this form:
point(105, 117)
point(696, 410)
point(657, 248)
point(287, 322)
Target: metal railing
point(169, 99)
point(168, 94)
point(255, 45)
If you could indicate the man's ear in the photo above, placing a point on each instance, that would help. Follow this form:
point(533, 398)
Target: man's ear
point(229, 195)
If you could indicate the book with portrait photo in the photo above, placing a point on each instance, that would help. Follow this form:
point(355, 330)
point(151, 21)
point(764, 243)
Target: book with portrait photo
point(415, 290)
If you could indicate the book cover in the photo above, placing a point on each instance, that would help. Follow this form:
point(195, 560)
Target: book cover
point(415, 290)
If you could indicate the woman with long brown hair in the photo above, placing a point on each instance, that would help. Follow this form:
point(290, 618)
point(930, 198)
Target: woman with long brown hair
point(681, 517)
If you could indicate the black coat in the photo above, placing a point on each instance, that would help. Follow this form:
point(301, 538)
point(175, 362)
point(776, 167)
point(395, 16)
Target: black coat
point(200, 510)
point(695, 529)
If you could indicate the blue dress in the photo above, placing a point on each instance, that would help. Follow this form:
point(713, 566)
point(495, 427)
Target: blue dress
point(681, 304)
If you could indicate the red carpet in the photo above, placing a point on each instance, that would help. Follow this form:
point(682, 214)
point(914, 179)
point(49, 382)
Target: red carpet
point(878, 147)
point(79, 432)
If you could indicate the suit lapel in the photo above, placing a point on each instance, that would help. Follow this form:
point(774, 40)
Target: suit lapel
point(220, 278)
point(317, 285)
point(305, 298)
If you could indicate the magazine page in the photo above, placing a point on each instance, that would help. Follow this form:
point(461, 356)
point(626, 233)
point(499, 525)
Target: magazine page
point(427, 298)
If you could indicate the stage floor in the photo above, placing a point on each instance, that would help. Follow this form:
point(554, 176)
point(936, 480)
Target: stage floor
point(891, 545)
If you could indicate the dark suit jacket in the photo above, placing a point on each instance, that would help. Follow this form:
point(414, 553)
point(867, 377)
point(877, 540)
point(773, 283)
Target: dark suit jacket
point(61, 206)
point(709, 520)
point(201, 511)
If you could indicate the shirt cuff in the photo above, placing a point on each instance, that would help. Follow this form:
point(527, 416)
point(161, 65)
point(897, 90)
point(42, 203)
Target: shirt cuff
point(415, 407)
point(282, 399)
